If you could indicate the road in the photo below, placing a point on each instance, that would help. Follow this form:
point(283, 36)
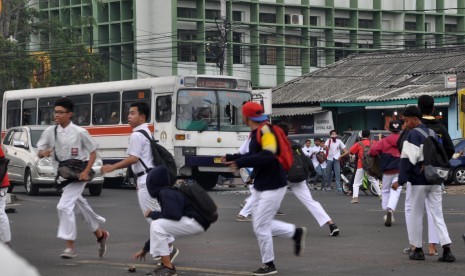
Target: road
point(365, 246)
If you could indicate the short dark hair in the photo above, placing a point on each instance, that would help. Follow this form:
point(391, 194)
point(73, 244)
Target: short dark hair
point(365, 133)
point(426, 104)
point(143, 109)
point(332, 131)
point(412, 111)
point(67, 103)
point(284, 127)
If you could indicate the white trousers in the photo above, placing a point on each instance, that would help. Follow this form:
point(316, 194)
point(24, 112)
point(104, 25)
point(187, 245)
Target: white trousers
point(303, 194)
point(5, 232)
point(73, 204)
point(432, 233)
point(390, 198)
point(358, 182)
point(265, 226)
point(419, 194)
point(162, 230)
point(247, 209)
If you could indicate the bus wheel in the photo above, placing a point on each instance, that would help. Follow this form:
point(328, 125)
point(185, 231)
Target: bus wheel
point(206, 180)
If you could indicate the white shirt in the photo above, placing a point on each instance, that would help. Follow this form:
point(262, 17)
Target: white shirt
point(307, 151)
point(334, 148)
point(139, 146)
point(314, 150)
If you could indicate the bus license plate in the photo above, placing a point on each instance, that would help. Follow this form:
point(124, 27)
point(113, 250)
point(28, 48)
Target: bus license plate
point(217, 160)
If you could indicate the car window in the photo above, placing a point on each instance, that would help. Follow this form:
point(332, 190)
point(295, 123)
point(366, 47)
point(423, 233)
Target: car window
point(35, 136)
point(20, 135)
point(8, 136)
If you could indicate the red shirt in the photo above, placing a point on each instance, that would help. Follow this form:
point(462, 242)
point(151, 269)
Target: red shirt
point(358, 149)
point(6, 180)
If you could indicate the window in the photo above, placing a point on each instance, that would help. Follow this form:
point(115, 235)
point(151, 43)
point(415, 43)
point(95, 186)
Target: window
point(340, 53)
point(213, 49)
point(103, 106)
point(29, 112)
point(197, 110)
point(131, 96)
point(46, 110)
point(293, 54)
point(237, 52)
point(410, 26)
point(450, 28)
point(313, 51)
point(267, 18)
point(81, 114)
point(342, 22)
point(237, 16)
point(410, 44)
point(366, 23)
point(267, 53)
point(365, 46)
point(13, 114)
point(187, 12)
point(212, 14)
point(163, 109)
point(313, 20)
point(187, 51)
point(8, 136)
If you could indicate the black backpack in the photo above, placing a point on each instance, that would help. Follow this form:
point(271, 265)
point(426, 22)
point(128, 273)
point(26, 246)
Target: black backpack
point(366, 149)
point(161, 156)
point(435, 162)
point(301, 166)
point(3, 167)
point(200, 200)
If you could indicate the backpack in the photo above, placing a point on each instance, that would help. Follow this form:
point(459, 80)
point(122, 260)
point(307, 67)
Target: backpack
point(373, 166)
point(366, 149)
point(300, 169)
point(3, 168)
point(200, 200)
point(435, 162)
point(320, 157)
point(284, 154)
point(161, 156)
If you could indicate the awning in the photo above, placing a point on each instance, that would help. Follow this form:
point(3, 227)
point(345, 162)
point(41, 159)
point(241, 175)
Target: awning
point(294, 111)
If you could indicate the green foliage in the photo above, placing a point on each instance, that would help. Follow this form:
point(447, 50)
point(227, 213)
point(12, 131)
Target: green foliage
point(16, 66)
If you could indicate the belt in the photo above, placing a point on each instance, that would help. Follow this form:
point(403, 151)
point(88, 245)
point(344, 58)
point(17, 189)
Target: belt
point(143, 172)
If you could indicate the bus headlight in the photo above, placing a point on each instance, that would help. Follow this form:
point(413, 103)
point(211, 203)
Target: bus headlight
point(189, 151)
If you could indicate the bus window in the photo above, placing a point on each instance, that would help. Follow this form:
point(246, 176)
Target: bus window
point(81, 114)
point(197, 110)
point(104, 105)
point(29, 112)
point(46, 106)
point(132, 96)
point(13, 113)
point(231, 110)
point(163, 109)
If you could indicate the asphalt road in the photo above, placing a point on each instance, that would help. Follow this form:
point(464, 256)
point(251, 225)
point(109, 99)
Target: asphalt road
point(365, 246)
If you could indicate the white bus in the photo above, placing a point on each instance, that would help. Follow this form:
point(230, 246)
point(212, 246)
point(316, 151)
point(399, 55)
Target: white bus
point(198, 118)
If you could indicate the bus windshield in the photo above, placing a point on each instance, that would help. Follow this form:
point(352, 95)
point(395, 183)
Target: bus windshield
point(211, 110)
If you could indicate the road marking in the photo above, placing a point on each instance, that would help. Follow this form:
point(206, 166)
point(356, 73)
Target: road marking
point(211, 271)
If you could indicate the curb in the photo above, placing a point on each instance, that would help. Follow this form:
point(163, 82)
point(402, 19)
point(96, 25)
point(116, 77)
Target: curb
point(10, 198)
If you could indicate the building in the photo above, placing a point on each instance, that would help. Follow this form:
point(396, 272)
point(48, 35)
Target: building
point(268, 41)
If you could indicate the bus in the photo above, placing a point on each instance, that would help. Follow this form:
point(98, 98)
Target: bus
point(197, 118)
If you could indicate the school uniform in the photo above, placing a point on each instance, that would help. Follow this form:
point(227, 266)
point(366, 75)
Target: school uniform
point(334, 152)
point(320, 169)
point(360, 172)
point(72, 142)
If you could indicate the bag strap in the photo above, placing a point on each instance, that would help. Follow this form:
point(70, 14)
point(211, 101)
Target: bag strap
point(148, 138)
point(54, 151)
point(422, 132)
point(327, 150)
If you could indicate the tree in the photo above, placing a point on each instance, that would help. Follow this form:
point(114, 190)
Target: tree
point(16, 66)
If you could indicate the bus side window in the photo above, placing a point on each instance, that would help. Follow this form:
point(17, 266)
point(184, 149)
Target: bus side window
point(163, 109)
point(13, 114)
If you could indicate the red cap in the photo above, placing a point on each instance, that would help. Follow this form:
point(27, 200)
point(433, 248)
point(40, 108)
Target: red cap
point(254, 111)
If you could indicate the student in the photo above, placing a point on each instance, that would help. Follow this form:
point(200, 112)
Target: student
point(320, 168)
point(270, 185)
point(389, 161)
point(69, 141)
point(420, 190)
point(333, 147)
point(5, 232)
point(301, 191)
point(139, 151)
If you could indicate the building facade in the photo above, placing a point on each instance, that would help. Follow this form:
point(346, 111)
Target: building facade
point(267, 41)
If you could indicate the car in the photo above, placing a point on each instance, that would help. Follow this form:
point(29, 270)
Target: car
point(349, 138)
point(26, 168)
point(457, 163)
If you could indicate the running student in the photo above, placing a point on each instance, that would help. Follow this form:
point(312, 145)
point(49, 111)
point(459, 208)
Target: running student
point(5, 232)
point(270, 185)
point(66, 140)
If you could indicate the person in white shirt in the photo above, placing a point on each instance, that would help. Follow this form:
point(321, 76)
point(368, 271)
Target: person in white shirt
point(333, 147)
point(320, 168)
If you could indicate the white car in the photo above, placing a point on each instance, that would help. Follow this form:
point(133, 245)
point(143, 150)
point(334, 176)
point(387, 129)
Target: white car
point(25, 168)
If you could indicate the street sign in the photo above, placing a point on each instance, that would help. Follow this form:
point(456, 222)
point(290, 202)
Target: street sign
point(450, 81)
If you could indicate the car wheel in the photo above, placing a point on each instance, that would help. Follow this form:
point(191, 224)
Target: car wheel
point(459, 176)
point(95, 190)
point(31, 188)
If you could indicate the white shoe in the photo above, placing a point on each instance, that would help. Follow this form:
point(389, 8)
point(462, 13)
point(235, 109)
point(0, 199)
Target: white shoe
point(68, 253)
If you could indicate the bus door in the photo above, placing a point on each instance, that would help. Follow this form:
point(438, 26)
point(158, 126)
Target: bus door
point(164, 120)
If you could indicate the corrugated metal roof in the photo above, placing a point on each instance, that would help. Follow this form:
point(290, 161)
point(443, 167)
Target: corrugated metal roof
point(293, 111)
point(377, 77)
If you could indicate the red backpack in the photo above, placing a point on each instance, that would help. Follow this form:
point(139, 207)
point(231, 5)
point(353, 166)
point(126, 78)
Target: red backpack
point(284, 153)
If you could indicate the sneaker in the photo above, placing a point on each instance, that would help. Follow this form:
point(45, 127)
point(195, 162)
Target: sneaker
point(354, 200)
point(68, 253)
point(174, 254)
point(242, 218)
point(447, 257)
point(266, 270)
point(279, 213)
point(299, 240)
point(162, 270)
point(334, 230)
point(102, 244)
point(417, 254)
point(388, 220)
point(407, 250)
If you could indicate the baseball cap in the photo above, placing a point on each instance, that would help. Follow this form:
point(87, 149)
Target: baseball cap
point(254, 111)
point(395, 126)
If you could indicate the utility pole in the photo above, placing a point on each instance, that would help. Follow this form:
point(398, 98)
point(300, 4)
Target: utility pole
point(223, 39)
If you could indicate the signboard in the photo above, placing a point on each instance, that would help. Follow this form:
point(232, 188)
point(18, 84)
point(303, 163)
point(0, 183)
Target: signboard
point(450, 81)
point(323, 122)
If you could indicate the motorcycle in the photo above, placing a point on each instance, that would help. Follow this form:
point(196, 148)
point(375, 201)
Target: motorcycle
point(348, 169)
